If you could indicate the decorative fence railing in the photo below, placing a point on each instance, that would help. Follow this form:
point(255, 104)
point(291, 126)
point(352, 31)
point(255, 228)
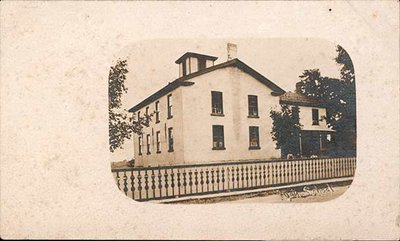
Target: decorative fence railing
point(155, 183)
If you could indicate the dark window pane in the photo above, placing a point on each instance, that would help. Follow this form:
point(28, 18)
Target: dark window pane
point(184, 68)
point(158, 141)
point(315, 117)
point(170, 140)
point(254, 137)
point(218, 137)
point(169, 106)
point(202, 64)
point(140, 145)
point(216, 102)
point(253, 105)
point(148, 144)
point(157, 111)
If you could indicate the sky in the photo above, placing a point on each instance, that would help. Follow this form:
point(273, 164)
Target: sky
point(151, 64)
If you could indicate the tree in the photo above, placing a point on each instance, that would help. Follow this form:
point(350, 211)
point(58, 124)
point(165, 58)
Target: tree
point(122, 124)
point(340, 98)
point(286, 129)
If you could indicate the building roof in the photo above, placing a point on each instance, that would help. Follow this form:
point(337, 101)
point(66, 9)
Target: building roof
point(296, 98)
point(196, 55)
point(165, 90)
point(183, 81)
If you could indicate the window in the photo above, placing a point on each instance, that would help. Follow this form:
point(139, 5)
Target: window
point(315, 117)
point(138, 115)
point(169, 106)
point(170, 140)
point(140, 145)
point(216, 103)
point(157, 111)
point(218, 138)
point(254, 141)
point(147, 112)
point(148, 144)
point(253, 106)
point(184, 68)
point(201, 64)
point(158, 138)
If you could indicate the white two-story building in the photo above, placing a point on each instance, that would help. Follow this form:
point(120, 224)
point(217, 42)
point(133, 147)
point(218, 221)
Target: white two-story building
point(211, 113)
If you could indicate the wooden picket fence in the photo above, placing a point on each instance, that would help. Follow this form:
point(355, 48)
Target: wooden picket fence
point(164, 182)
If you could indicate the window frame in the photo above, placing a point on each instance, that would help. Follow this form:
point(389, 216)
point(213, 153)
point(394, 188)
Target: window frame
point(157, 107)
point(169, 106)
point(251, 107)
point(158, 141)
point(201, 64)
point(252, 147)
point(184, 67)
point(148, 144)
point(219, 138)
point(170, 139)
point(215, 95)
point(315, 113)
point(140, 141)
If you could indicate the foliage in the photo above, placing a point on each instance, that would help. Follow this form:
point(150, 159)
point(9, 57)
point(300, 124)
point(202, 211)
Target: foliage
point(286, 129)
point(340, 98)
point(122, 124)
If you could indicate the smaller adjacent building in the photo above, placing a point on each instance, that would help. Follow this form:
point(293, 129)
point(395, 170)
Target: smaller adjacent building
point(315, 137)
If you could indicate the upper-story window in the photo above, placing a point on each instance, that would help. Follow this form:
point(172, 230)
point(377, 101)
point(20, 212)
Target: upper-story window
point(138, 115)
point(218, 137)
point(254, 138)
point(183, 68)
point(315, 116)
point(157, 111)
point(253, 106)
point(216, 103)
point(169, 106)
point(147, 111)
point(170, 140)
point(201, 63)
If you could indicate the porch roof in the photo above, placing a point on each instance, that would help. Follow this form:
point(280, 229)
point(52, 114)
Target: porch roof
point(296, 98)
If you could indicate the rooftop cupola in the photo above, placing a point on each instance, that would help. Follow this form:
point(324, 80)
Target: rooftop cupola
point(193, 62)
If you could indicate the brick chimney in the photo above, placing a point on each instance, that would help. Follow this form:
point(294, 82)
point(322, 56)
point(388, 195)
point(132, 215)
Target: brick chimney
point(298, 87)
point(232, 51)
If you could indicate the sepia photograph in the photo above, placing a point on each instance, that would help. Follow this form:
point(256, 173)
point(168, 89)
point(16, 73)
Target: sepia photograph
point(199, 120)
point(268, 120)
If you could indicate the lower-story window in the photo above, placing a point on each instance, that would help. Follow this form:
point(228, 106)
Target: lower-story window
point(148, 144)
point(158, 142)
point(254, 140)
point(170, 140)
point(218, 137)
point(140, 145)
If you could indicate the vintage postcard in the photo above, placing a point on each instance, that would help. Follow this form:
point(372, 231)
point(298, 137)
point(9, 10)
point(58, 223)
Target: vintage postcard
point(219, 130)
point(206, 120)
